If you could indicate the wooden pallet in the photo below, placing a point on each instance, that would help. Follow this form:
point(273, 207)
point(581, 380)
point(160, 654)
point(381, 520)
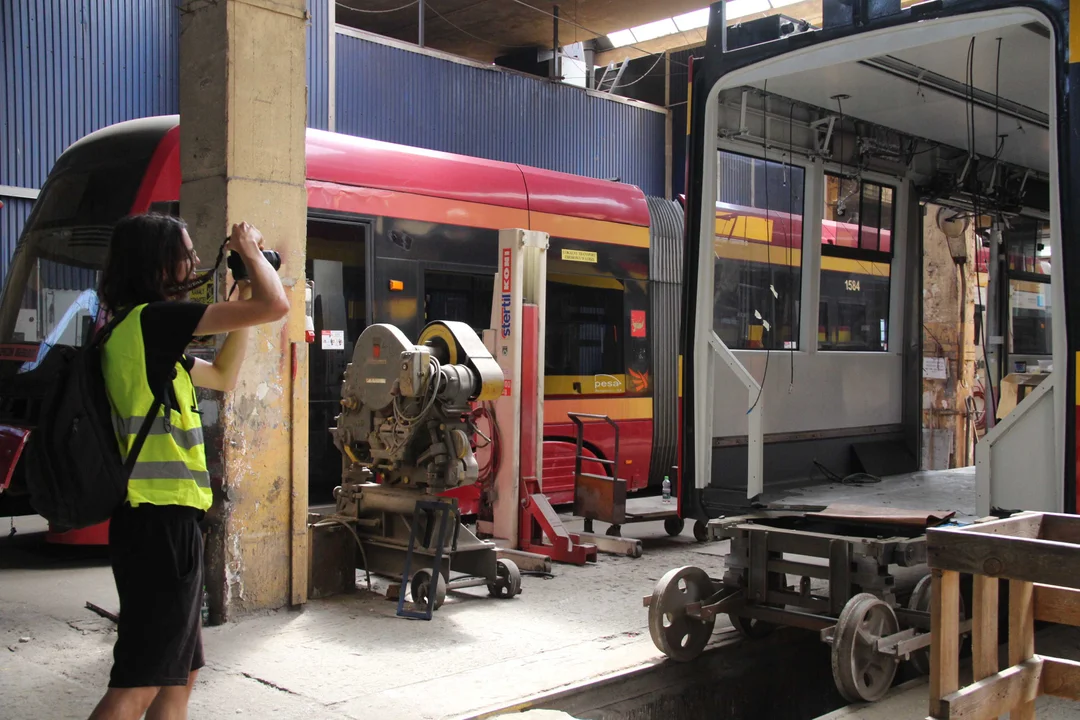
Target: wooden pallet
point(1038, 554)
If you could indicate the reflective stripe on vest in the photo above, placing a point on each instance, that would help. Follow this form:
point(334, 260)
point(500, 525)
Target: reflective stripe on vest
point(186, 439)
point(171, 468)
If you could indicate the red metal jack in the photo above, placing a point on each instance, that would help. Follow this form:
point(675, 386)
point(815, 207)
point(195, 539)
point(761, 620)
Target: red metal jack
point(539, 520)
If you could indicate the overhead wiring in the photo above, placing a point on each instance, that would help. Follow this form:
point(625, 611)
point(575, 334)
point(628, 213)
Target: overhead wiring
point(998, 139)
point(378, 12)
point(990, 400)
point(645, 75)
point(791, 224)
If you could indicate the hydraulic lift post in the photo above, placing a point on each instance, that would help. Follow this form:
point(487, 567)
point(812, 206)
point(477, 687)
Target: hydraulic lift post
point(522, 517)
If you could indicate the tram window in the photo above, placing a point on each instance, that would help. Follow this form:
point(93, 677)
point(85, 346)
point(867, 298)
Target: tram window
point(1027, 247)
point(585, 333)
point(853, 312)
point(856, 258)
point(459, 296)
point(1027, 243)
point(1029, 318)
point(758, 253)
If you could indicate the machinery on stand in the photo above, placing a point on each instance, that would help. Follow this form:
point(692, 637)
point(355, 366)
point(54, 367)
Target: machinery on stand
point(410, 429)
point(406, 433)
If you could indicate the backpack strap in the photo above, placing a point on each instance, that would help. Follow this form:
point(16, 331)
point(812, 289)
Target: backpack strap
point(140, 439)
point(106, 331)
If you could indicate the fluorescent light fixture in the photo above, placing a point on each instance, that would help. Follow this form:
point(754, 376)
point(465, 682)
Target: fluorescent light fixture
point(660, 28)
point(619, 38)
point(697, 19)
point(736, 9)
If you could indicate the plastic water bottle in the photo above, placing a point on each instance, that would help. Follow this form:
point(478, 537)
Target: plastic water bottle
point(667, 489)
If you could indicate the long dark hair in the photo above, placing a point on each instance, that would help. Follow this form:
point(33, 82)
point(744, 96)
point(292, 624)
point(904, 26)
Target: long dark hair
point(144, 253)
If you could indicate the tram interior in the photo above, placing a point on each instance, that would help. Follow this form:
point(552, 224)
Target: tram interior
point(855, 156)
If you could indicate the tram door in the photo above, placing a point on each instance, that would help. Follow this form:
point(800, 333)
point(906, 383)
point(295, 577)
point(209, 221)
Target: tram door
point(337, 265)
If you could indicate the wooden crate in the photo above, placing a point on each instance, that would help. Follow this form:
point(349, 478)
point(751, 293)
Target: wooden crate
point(1038, 554)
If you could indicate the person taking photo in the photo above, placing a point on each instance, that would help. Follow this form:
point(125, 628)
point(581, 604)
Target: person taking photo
point(155, 543)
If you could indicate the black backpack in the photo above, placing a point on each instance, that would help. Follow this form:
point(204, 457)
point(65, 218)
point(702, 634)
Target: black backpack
point(75, 473)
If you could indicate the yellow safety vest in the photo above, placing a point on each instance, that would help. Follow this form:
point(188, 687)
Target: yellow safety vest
point(171, 469)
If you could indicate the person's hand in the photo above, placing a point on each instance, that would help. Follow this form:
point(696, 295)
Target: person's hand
point(245, 240)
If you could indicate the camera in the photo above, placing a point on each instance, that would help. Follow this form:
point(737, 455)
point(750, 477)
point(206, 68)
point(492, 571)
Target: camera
point(239, 270)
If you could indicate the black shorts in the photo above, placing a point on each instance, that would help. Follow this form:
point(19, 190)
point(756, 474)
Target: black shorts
point(157, 561)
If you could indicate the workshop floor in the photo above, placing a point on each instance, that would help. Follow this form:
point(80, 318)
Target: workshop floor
point(938, 490)
point(349, 656)
point(345, 657)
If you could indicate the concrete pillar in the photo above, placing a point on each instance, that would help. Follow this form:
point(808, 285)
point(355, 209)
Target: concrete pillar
point(243, 110)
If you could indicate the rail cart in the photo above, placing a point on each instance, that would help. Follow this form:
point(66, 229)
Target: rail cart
point(856, 613)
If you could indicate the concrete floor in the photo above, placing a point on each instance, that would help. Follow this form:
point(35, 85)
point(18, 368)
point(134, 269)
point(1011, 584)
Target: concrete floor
point(345, 657)
point(349, 656)
point(941, 490)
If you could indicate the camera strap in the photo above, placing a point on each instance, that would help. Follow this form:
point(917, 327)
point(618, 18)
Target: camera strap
point(205, 277)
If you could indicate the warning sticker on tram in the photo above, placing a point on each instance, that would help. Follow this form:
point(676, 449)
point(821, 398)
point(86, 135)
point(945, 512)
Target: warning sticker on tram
point(586, 256)
point(19, 353)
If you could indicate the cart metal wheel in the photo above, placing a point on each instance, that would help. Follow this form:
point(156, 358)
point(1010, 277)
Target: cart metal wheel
point(752, 629)
point(920, 600)
point(421, 585)
point(507, 583)
point(675, 633)
point(860, 672)
point(673, 526)
point(701, 530)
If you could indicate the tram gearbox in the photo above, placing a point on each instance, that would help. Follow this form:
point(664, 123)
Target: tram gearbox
point(406, 416)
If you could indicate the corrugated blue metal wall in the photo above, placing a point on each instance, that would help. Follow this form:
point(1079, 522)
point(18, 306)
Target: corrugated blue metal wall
point(318, 64)
point(70, 67)
point(417, 99)
point(12, 218)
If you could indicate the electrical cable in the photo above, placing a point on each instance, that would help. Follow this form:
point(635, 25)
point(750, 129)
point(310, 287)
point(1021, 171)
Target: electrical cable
point(768, 254)
point(791, 225)
point(378, 12)
point(858, 478)
point(840, 132)
point(1000, 141)
point(348, 523)
point(990, 399)
point(645, 75)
